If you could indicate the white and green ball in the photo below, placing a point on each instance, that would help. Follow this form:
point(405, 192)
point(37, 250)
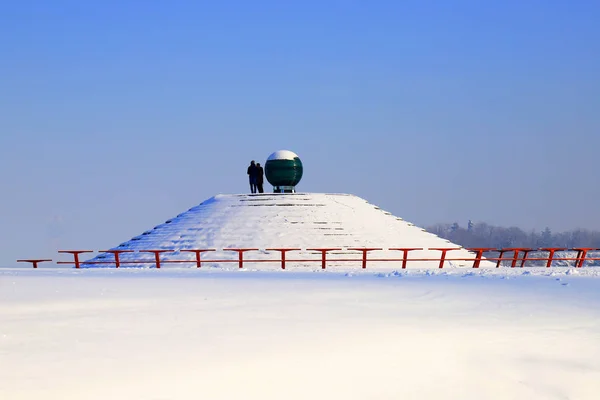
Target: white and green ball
point(283, 168)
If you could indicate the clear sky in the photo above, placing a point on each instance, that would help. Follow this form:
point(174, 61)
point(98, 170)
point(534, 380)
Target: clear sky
point(117, 115)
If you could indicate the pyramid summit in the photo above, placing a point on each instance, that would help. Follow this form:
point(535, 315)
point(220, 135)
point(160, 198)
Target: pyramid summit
point(289, 220)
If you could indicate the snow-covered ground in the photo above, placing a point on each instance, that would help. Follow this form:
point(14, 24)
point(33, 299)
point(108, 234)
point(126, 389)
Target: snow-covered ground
point(212, 334)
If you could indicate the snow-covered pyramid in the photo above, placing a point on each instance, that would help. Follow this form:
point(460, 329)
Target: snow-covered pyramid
point(296, 220)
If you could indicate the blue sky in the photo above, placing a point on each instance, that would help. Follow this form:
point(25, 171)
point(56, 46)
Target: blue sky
point(120, 114)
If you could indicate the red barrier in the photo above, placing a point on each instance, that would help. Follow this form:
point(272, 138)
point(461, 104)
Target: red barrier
point(500, 259)
point(405, 251)
point(323, 254)
point(240, 254)
point(479, 254)
point(75, 254)
point(516, 251)
point(156, 255)
point(116, 254)
point(580, 259)
point(443, 257)
point(551, 251)
point(198, 253)
point(525, 254)
point(364, 250)
point(35, 261)
point(283, 251)
point(581, 254)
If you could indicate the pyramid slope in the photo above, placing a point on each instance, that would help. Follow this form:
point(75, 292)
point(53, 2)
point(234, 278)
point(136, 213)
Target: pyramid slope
point(300, 220)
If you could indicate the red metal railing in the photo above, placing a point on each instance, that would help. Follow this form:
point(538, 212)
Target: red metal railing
point(519, 256)
point(364, 254)
point(36, 261)
point(116, 254)
point(75, 254)
point(198, 254)
point(283, 252)
point(405, 254)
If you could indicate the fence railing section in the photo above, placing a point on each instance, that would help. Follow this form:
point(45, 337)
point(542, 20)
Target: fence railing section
point(520, 257)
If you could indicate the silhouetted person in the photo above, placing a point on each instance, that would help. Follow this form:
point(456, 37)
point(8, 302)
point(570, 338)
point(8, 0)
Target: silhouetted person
point(252, 171)
point(259, 178)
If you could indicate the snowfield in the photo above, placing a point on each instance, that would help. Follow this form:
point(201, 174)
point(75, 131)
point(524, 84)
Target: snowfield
point(212, 334)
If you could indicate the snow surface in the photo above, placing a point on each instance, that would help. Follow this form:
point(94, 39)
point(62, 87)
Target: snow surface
point(298, 220)
point(212, 334)
point(283, 155)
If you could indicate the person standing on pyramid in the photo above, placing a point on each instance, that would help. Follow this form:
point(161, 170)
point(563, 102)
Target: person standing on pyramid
point(259, 178)
point(252, 171)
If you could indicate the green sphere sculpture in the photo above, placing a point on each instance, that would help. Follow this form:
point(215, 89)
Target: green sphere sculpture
point(283, 170)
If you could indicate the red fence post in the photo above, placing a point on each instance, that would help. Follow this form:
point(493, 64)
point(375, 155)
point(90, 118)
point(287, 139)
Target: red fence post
point(405, 251)
point(156, 255)
point(75, 254)
point(323, 255)
point(516, 251)
point(515, 257)
point(35, 262)
point(283, 251)
point(443, 257)
point(116, 254)
point(502, 251)
point(479, 254)
point(198, 253)
point(525, 254)
point(240, 254)
point(551, 251)
point(581, 254)
point(364, 253)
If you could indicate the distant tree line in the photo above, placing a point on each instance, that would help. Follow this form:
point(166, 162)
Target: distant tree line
point(484, 235)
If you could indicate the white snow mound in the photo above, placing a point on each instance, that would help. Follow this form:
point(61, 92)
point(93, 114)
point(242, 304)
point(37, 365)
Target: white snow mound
point(296, 220)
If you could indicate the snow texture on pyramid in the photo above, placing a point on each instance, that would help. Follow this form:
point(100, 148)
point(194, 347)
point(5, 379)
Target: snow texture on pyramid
point(298, 220)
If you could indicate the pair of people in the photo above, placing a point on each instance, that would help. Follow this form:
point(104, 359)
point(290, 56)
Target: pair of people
point(255, 175)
